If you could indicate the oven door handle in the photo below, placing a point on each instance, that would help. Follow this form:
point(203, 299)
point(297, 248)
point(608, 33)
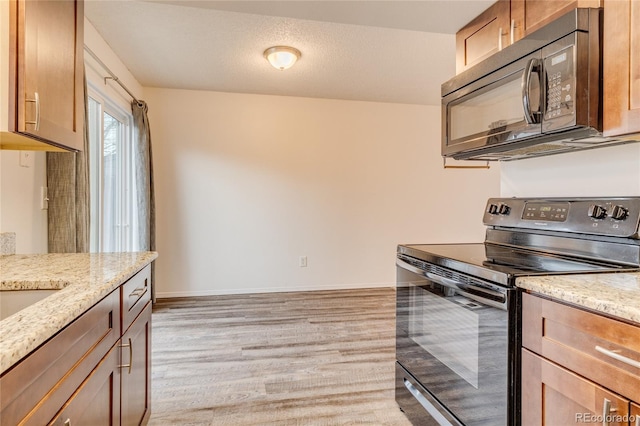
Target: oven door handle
point(482, 295)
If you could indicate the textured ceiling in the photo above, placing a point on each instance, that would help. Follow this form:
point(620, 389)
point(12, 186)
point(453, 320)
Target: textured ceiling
point(383, 51)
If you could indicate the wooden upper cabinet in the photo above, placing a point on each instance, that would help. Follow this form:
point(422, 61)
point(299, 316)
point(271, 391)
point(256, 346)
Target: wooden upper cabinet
point(530, 15)
point(506, 22)
point(621, 103)
point(46, 94)
point(485, 35)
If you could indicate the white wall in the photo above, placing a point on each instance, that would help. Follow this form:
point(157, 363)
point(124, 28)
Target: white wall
point(20, 210)
point(611, 171)
point(95, 73)
point(245, 184)
point(19, 186)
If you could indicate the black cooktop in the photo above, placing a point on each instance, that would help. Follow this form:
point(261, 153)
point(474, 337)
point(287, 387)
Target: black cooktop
point(502, 264)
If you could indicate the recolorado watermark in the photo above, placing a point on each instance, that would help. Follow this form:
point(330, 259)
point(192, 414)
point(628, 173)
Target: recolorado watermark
point(609, 418)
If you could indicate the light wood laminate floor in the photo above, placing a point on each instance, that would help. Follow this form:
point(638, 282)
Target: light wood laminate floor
point(303, 358)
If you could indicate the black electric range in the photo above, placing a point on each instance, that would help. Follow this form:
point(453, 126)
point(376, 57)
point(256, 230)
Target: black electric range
point(458, 311)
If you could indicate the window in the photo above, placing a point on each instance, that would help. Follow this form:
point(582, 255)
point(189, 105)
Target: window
point(114, 224)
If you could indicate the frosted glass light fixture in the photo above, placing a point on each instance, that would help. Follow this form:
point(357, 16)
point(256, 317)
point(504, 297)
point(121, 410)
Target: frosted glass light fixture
point(282, 57)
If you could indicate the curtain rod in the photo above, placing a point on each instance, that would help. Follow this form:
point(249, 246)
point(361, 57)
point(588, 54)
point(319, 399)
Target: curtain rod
point(112, 76)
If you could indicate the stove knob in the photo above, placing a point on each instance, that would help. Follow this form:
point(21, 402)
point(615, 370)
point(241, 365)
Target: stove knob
point(503, 209)
point(597, 212)
point(492, 209)
point(619, 213)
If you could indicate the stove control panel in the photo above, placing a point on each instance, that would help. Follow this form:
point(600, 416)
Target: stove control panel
point(617, 217)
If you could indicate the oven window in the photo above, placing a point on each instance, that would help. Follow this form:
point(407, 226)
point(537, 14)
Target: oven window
point(447, 328)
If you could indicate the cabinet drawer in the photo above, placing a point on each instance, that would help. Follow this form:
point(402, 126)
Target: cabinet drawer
point(601, 349)
point(34, 390)
point(135, 294)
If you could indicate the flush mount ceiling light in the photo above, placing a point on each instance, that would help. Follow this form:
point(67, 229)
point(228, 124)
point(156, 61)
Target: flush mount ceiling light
point(282, 57)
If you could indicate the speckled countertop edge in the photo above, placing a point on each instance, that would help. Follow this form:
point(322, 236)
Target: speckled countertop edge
point(83, 280)
point(613, 294)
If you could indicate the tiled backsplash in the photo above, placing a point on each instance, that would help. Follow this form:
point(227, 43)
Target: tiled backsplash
point(7, 243)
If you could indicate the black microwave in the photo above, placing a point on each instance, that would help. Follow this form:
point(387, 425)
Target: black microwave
point(540, 96)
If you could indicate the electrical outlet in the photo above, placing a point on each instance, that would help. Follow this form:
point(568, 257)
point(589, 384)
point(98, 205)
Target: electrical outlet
point(303, 261)
point(26, 158)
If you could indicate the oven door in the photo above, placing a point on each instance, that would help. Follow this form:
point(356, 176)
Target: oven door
point(456, 338)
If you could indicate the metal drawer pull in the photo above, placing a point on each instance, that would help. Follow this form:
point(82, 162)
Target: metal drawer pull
point(37, 121)
point(606, 411)
point(617, 356)
point(138, 292)
point(130, 346)
point(499, 38)
point(67, 422)
point(438, 417)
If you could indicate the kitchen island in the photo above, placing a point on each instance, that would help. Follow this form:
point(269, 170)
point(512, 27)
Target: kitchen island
point(82, 353)
point(82, 281)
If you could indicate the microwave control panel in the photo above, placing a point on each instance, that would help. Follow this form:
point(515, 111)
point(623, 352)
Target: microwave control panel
point(560, 87)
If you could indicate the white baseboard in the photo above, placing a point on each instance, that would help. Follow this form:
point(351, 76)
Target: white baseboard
point(228, 291)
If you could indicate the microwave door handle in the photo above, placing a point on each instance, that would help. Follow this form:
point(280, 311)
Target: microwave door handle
point(530, 116)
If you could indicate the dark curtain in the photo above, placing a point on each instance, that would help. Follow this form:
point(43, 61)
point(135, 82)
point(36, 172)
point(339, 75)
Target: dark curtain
point(144, 181)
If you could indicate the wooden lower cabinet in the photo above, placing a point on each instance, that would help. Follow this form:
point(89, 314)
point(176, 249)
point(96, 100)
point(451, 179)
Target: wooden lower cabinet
point(552, 395)
point(32, 392)
point(635, 414)
point(578, 366)
point(136, 371)
point(97, 400)
point(94, 372)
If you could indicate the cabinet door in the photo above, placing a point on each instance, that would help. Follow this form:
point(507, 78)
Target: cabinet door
point(552, 395)
point(484, 36)
point(530, 15)
point(635, 414)
point(136, 373)
point(621, 102)
point(50, 93)
point(97, 400)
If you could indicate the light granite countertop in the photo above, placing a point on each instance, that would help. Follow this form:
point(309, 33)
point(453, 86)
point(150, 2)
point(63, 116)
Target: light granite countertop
point(83, 280)
point(614, 294)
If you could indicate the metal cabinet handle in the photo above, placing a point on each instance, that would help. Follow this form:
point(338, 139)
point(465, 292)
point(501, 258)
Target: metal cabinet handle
point(499, 38)
point(130, 346)
point(606, 412)
point(140, 290)
point(37, 102)
point(67, 422)
point(512, 31)
point(617, 356)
